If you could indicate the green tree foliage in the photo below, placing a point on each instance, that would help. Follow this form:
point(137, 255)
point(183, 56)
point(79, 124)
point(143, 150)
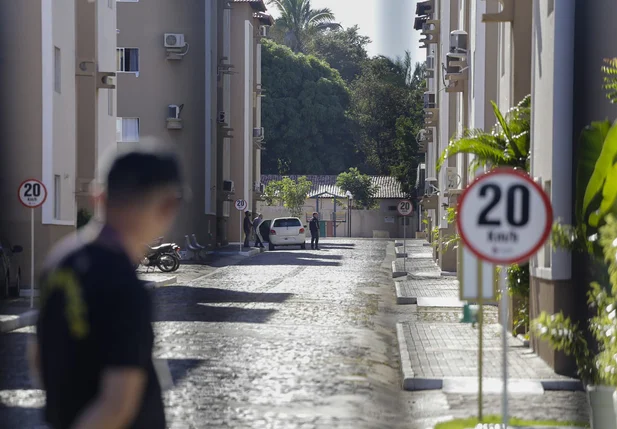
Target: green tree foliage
point(292, 194)
point(344, 50)
point(305, 113)
point(509, 144)
point(360, 186)
point(407, 131)
point(298, 22)
point(381, 96)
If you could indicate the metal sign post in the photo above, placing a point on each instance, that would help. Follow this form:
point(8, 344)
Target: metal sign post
point(241, 206)
point(32, 193)
point(504, 217)
point(405, 208)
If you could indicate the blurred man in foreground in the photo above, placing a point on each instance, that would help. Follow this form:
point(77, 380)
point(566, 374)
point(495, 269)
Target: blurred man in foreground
point(94, 334)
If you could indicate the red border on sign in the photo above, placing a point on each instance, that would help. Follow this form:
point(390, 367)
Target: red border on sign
point(410, 205)
point(32, 180)
point(547, 227)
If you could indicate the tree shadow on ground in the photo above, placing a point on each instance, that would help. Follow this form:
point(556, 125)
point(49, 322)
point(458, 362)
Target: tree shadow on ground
point(296, 258)
point(190, 304)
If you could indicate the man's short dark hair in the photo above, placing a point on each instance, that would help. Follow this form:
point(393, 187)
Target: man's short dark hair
point(135, 174)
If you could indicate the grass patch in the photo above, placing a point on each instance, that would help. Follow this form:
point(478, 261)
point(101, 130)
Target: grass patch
point(471, 423)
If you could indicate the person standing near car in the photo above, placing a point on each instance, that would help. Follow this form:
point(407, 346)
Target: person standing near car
point(248, 226)
point(94, 336)
point(258, 239)
point(314, 228)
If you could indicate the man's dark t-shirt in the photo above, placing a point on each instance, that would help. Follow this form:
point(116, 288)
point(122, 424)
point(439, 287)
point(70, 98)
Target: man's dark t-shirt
point(95, 314)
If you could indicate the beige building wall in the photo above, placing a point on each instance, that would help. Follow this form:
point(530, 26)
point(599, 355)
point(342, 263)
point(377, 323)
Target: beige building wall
point(160, 80)
point(40, 104)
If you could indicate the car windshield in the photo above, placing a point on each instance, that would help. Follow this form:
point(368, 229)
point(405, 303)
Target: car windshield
point(286, 223)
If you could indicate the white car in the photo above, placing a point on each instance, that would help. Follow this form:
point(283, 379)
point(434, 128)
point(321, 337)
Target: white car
point(287, 231)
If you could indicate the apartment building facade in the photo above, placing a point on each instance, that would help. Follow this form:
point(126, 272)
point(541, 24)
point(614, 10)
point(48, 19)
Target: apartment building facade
point(478, 52)
point(58, 109)
point(188, 77)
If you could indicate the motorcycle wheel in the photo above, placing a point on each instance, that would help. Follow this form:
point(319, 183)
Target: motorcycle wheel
point(167, 262)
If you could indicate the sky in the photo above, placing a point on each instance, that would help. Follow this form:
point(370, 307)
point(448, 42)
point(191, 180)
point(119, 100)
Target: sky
point(389, 24)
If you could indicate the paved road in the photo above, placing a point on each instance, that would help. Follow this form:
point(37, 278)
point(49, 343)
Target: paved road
point(290, 339)
point(287, 339)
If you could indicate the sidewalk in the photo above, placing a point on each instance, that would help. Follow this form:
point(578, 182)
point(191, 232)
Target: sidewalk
point(440, 353)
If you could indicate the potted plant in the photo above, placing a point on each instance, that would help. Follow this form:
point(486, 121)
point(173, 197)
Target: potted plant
point(597, 372)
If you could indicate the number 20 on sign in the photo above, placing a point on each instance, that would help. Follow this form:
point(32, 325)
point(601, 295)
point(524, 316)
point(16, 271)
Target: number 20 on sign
point(503, 218)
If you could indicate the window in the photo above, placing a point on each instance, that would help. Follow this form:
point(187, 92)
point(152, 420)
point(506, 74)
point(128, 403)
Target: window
point(57, 70)
point(286, 223)
point(127, 130)
point(548, 251)
point(110, 102)
point(502, 36)
point(57, 196)
point(127, 60)
point(551, 7)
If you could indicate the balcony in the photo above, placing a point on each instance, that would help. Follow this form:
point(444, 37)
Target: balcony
point(457, 72)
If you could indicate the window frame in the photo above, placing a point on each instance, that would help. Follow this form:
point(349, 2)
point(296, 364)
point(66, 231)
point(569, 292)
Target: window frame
point(57, 197)
point(122, 119)
point(57, 70)
point(120, 62)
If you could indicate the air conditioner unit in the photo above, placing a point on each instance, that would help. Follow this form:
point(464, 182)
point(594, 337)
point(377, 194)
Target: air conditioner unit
point(429, 100)
point(418, 23)
point(174, 40)
point(173, 111)
point(222, 117)
point(258, 132)
point(228, 186)
point(455, 63)
point(425, 7)
point(430, 62)
point(263, 31)
point(458, 42)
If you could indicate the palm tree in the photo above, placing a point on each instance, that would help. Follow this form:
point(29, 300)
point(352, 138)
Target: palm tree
point(508, 145)
point(298, 21)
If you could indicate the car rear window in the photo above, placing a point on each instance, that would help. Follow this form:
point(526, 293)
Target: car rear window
point(286, 223)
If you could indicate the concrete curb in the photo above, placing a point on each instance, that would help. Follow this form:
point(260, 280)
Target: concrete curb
point(562, 385)
point(19, 321)
point(395, 273)
point(402, 299)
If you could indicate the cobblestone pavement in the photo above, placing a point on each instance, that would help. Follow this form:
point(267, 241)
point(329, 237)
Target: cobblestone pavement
point(444, 287)
point(440, 350)
point(413, 264)
point(286, 339)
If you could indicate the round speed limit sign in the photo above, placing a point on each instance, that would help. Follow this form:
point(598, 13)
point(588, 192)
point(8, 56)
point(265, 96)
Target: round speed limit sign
point(405, 208)
point(241, 205)
point(32, 193)
point(504, 217)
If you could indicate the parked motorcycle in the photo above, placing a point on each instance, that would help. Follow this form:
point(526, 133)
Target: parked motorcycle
point(166, 257)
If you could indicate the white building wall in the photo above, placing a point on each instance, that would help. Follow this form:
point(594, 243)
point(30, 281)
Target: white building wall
point(552, 97)
point(59, 110)
point(505, 67)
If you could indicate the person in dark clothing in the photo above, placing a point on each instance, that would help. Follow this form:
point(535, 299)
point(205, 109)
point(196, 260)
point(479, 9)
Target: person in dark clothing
point(94, 336)
point(314, 228)
point(256, 222)
point(248, 225)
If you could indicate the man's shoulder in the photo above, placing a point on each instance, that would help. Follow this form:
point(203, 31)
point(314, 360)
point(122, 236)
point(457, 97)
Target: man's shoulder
point(80, 252)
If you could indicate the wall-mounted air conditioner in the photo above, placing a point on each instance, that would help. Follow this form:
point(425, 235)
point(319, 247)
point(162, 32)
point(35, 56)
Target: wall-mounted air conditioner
point(459, 42)
point(425, 7)
point(430, 66)
point(174, 41)
point(263, 31)
point(228, 186)
point(173, 117)
point(258, 133)
point(429, 100)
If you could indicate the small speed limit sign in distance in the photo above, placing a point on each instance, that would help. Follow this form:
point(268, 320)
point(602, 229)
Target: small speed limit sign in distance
point(405, 208)
point(504, 217)
point(32, 193)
